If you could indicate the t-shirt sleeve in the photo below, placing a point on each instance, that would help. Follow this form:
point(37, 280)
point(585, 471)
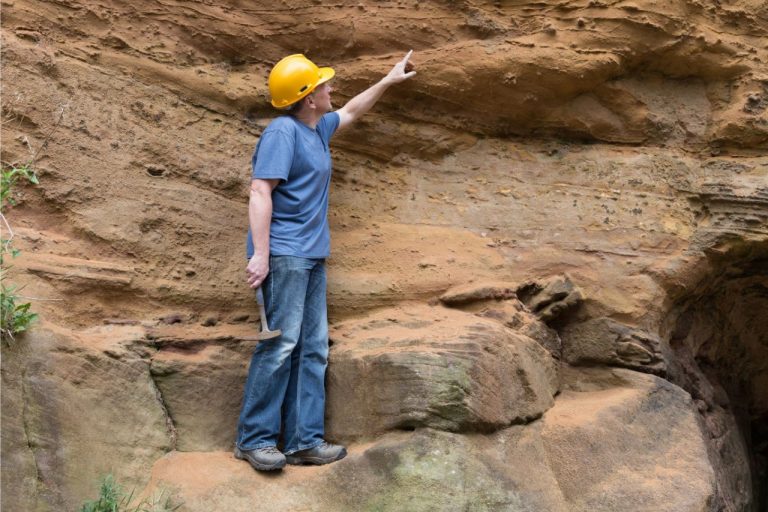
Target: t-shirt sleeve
point(273, 156)
point(328, 125)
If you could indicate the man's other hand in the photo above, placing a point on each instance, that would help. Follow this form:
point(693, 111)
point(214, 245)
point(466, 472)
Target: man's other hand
point(257, 270)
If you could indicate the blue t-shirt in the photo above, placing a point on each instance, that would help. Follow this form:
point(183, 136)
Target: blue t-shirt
point(300, 158)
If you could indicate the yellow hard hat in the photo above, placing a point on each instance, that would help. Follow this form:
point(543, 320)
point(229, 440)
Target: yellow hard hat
point(293, 78)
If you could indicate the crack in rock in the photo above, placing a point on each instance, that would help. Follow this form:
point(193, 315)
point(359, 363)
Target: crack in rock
point(169, 423)
point(25, 424)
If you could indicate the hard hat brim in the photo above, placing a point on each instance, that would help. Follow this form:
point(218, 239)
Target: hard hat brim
point(325, 75)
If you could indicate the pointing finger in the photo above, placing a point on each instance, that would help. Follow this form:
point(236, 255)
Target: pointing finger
point(407, 56)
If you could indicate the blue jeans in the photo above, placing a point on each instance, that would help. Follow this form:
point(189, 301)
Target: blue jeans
point(286, 379)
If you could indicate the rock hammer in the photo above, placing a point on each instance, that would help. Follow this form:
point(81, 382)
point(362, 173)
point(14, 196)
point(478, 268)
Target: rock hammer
point(265, 333)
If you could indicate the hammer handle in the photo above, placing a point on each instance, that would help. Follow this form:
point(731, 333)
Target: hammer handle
point(262, 311)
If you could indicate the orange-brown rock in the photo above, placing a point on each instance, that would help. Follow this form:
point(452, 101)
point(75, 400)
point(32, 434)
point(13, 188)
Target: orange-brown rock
point(622, 145)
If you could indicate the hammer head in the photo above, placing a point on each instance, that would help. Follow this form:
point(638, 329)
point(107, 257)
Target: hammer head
point(268, 335)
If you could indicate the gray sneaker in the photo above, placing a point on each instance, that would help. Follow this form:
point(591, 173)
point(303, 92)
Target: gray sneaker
point(322, 454)
point(263, 459)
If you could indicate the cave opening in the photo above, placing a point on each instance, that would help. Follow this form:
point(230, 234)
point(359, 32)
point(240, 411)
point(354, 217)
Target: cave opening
point(718, 335)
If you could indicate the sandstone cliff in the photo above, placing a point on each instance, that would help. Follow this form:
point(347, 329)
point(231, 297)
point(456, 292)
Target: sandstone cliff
point(549, 280)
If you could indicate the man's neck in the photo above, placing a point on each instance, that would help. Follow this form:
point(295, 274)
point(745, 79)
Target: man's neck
point(309, 117)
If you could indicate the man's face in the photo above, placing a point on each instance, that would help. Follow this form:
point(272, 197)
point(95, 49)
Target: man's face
point(322, 97)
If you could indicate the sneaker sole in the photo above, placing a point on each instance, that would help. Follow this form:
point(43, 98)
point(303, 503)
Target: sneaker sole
point(259, 467)
point(313, 461)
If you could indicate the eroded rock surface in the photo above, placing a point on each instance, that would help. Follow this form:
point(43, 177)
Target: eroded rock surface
point(552, 298)
point(608, 342)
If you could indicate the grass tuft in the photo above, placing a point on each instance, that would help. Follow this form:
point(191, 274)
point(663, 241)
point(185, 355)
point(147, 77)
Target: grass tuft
point(112, 498)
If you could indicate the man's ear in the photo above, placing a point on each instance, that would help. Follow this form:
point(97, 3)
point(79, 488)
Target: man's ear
point(310, 100)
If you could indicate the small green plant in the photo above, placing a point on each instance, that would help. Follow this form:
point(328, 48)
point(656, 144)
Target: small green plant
point(15, 316)
point(10, 176)
point(112, 498)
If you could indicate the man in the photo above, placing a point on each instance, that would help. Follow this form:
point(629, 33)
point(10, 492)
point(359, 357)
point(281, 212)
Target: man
point(288, 242)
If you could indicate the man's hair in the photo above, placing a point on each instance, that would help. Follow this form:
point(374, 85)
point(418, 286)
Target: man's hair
point(294, 108)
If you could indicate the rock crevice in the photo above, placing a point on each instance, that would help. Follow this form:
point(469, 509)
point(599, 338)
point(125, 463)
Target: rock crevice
point(718, 335)
point(169, 423)
point(28, 431)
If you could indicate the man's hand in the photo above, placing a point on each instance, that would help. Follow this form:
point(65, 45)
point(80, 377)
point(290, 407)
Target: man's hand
point(257, 270)
point(363, 102)
point(403, 70)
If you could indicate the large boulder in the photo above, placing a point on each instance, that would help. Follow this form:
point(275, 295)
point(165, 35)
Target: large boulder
point(77, 406)
point(434, 367)
point(622, 440)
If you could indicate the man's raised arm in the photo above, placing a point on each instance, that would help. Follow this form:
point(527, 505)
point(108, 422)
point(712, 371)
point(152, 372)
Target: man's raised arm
point(363, 102)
